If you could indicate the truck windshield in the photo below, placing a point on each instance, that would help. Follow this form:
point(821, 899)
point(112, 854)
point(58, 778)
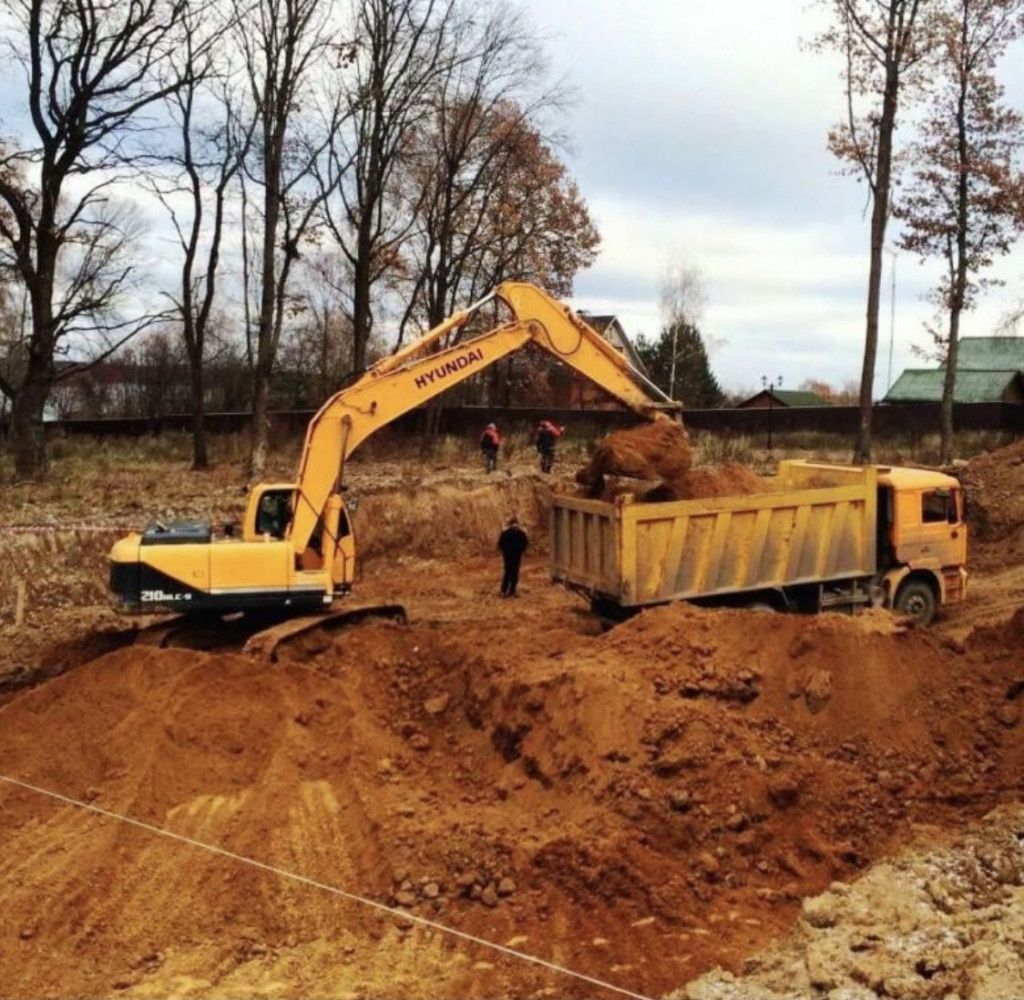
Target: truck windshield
point(937, 506)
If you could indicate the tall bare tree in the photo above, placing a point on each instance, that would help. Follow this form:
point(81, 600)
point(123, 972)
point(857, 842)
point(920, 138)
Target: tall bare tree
point(966, 203)
point(493, 86)
point(400, 52)
point(882, 43)
point(215, 135)
point(91, 72)
point(286, 45)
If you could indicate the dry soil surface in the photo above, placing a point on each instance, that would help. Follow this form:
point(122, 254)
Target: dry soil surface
point(642, 806)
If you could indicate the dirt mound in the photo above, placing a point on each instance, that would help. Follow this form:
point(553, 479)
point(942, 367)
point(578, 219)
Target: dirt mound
point(640, 806)
point(994, 485)
point(658, 452)
point(729, 480)
point(931, 923)
point(56, 567)
point(450, 519)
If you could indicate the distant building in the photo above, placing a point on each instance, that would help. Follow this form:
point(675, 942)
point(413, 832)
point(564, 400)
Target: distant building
point(924, 385)
point(988, 370)
point(782, 398)
point(610, 328)
point(579, 393)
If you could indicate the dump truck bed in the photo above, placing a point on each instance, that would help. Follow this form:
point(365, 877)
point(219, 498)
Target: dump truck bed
point(817, 523)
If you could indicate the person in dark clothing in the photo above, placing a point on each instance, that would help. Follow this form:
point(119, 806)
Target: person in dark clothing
point(512, 543)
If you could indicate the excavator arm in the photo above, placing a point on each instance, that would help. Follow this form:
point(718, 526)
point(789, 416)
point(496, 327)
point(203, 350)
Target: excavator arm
point(406, 380)
point(297, 551)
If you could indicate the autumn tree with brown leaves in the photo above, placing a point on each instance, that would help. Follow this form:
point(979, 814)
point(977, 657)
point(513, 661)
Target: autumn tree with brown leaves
point(965, 205)
point(883, 43)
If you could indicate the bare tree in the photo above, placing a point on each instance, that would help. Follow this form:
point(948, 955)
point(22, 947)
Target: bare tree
point(493, 86)
point(90, 70)
point(399, 53)
point(966, 203)
point(882, 43)
point(214, 141)
point(286, 44)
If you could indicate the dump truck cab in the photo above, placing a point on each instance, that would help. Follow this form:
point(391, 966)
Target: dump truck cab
point(922, 551)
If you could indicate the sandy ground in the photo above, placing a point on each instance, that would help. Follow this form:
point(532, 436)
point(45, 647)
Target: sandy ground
point(641, 806)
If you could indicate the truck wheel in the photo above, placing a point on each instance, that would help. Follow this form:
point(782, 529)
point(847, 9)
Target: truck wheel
point(916, 599)
point(758, 606)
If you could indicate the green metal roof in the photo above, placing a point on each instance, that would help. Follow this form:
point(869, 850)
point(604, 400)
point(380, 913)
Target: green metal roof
point(991, 354)
point(799, 397)
point(921, 385)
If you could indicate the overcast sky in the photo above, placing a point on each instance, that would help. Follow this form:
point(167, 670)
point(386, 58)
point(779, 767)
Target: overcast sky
point(699, 133)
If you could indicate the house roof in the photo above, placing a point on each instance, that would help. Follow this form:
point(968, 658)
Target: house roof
point(799, 397)
point(610, 328)
point(924, 385)
point(789, 397)
point(991, 354)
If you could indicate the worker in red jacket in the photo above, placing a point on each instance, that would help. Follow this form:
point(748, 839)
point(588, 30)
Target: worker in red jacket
point(490, 442)
point(544, 439)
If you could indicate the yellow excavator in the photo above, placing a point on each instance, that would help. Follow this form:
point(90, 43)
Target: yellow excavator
point(296, 553)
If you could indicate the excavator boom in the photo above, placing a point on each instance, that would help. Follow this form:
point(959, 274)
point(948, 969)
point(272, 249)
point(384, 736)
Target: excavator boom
point(297, 551)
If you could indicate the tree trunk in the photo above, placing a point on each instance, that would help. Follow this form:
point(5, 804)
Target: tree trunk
point(200, 459)
point(361, 305)
point(28, 440)
point(959, 290)
point(879, 221)
point(260, 426)
point(949, 387)
point(27, 435)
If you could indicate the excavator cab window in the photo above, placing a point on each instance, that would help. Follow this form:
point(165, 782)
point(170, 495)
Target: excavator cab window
point(274, 513)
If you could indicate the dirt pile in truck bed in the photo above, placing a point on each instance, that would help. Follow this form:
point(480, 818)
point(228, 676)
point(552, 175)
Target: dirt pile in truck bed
point(659, 453)
point(994, 486)
point(640, 806)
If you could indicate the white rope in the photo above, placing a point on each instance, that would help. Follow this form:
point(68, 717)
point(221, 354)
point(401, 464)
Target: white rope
point(35, 529)
point(344, 894)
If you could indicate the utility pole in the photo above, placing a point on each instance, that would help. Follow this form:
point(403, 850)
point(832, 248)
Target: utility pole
point(770, 385)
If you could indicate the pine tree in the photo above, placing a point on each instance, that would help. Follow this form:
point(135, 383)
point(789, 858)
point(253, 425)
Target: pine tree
point(695, 384)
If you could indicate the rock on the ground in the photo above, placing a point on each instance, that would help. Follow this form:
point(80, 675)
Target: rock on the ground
point(931, 923)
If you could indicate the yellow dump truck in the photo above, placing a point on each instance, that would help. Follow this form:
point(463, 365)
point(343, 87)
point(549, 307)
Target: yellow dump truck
point(819, 537)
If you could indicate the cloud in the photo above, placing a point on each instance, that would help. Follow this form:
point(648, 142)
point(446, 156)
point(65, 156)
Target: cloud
point(700, 133)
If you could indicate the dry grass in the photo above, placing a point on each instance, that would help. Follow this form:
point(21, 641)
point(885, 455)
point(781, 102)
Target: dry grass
point(125, 480)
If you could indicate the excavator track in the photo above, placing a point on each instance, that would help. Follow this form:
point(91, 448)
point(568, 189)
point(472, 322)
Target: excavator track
point(255, 636)
point(265, 644)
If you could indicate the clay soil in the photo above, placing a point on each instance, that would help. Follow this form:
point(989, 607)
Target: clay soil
point(642, 805)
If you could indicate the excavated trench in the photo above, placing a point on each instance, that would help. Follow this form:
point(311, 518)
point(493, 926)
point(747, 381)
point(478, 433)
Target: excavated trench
point(638, 806)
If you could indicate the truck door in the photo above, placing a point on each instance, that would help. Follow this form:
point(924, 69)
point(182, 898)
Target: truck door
point(930, 528)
